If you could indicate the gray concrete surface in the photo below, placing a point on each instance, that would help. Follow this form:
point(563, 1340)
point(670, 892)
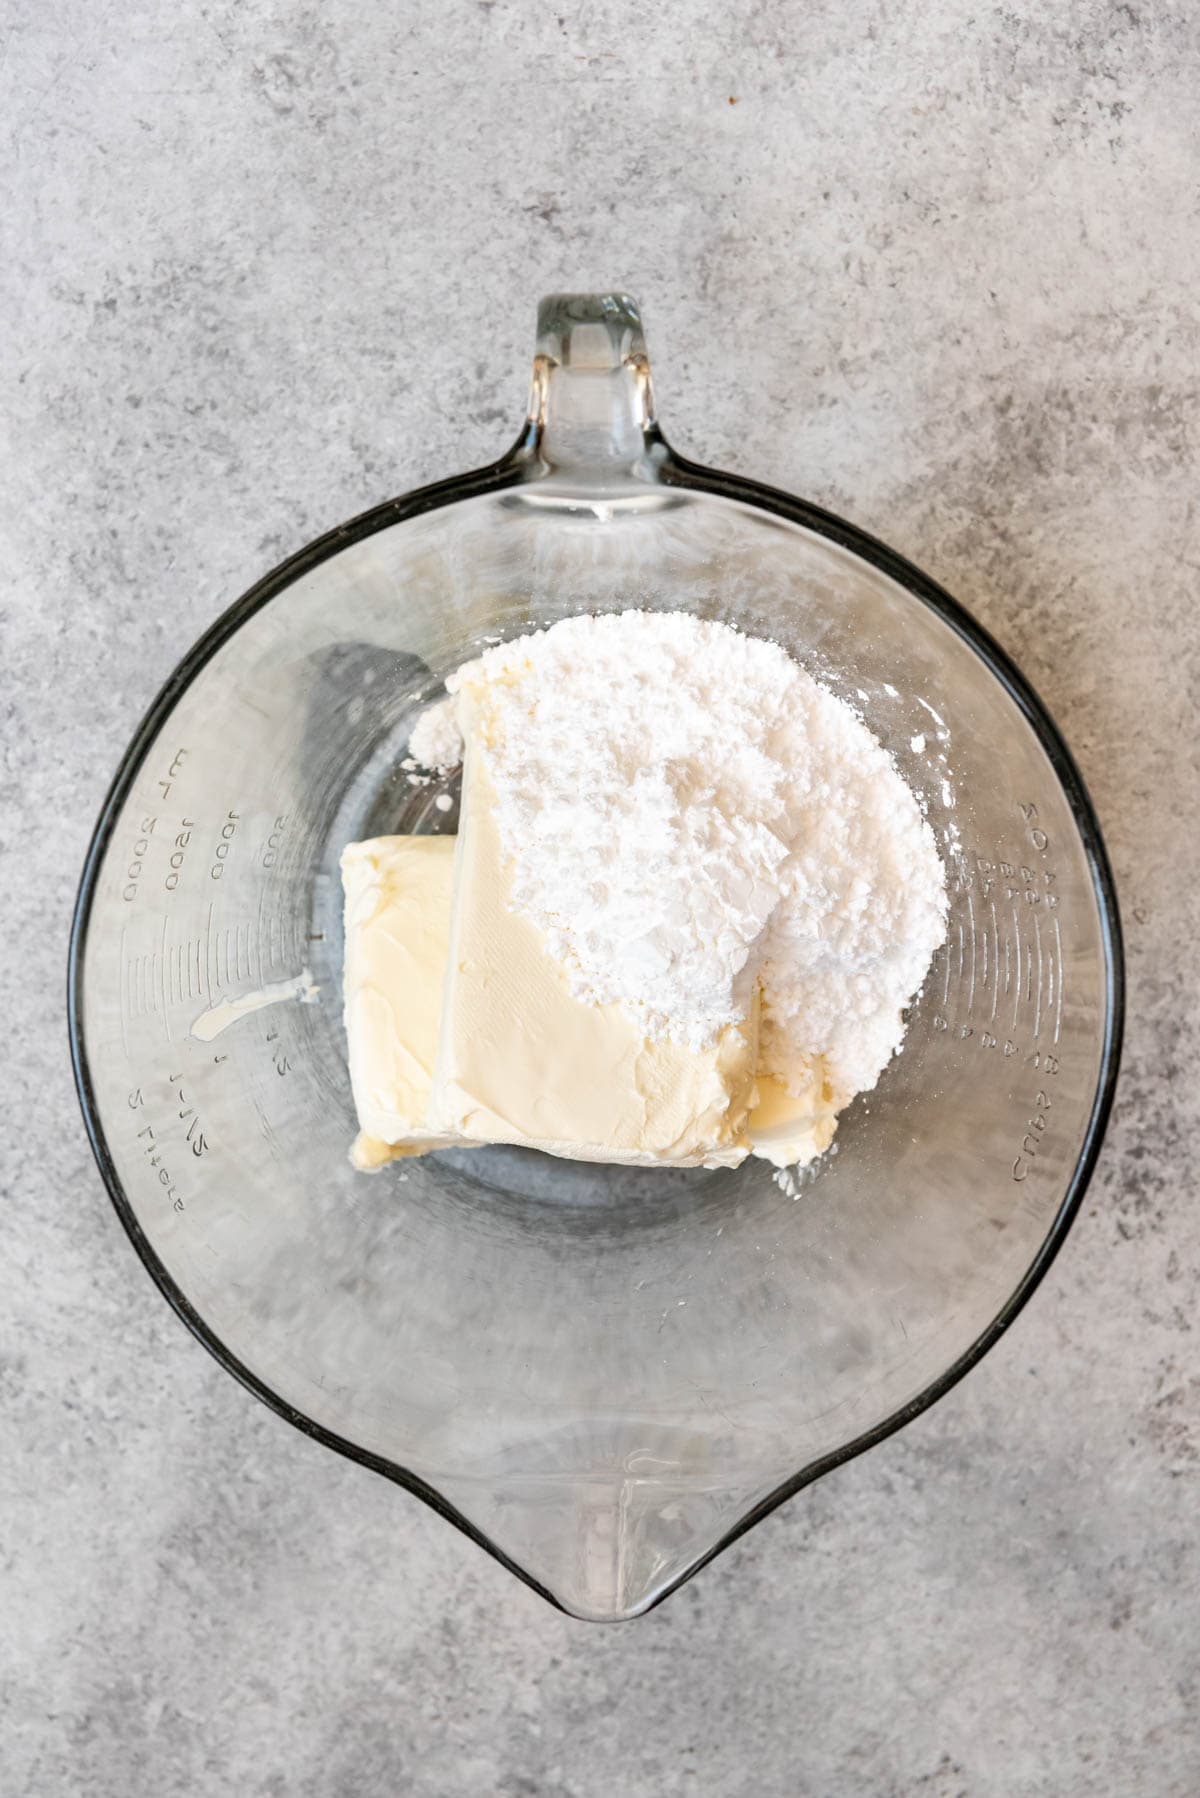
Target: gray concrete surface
point(934, 265)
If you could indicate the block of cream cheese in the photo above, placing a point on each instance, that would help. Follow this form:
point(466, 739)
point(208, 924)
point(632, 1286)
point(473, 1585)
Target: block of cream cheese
point(398, 907)
point(788, 1129)
point(521, 1060)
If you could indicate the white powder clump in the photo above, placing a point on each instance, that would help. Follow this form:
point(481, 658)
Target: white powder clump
point(686, 812)
point(436, 741)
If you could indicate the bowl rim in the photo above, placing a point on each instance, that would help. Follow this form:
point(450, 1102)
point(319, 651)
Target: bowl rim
point(674, 471)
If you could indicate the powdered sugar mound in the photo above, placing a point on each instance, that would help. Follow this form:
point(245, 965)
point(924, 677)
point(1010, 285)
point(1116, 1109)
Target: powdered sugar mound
point(687, 811)
point(863, 908)
point(436, 741)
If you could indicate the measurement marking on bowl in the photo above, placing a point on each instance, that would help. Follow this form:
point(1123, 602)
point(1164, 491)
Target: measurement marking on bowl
point(1051, 982)
point(983, 938)
point(208, 953)
point(123, 996)
point(1061, 979)
point(162, 977)
point(971, 985)
point(1037, 1013)
point(995, 961)
point(263, 939)
point(1017, 998)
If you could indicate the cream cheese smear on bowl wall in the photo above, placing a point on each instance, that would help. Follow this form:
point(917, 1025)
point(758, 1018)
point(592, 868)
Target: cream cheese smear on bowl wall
point(689, 900)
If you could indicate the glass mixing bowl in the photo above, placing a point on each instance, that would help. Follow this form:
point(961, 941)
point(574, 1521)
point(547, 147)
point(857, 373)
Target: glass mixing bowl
point(601, 1374)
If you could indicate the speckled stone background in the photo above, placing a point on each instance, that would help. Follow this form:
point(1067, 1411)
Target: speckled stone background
point(935, 265)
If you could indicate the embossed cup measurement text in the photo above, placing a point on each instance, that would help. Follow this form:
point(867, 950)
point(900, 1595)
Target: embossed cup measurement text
point(274, 839)
point(195, 1138)
point(183, 837)
point(221, 852)
point(137, 860)
point(173, 773)
point(153, 1152)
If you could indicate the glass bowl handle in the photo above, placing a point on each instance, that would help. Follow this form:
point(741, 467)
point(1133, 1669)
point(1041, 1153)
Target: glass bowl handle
point(591, 401)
